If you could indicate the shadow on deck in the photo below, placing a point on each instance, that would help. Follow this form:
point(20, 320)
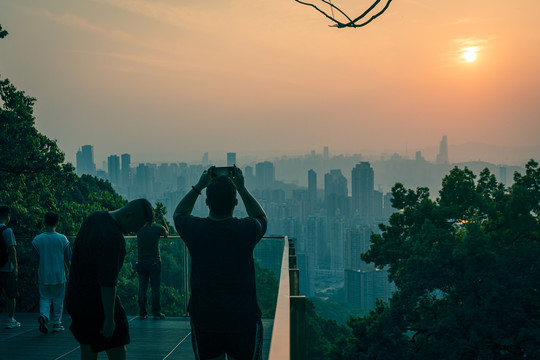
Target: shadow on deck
point(150, 339)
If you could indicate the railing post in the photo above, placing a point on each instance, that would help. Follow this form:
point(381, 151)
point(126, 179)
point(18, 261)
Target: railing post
point(298, 327)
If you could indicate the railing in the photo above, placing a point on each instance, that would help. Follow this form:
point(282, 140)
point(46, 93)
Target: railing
point(289, 332)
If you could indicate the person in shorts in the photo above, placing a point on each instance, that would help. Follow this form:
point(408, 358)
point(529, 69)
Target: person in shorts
point(99, 322)
point(225, 316)
point(9, 271)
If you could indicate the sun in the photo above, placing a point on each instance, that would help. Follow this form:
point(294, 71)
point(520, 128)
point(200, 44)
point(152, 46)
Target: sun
point(469, 54)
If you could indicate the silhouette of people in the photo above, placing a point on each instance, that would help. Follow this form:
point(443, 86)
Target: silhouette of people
point(149, 264)
point(99, 322)
point(54, 252)
point(225, 316)
point(9, 270)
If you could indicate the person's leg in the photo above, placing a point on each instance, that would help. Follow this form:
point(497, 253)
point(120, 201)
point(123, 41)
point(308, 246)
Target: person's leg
point(144, 275)
point(45, 299)
point(87, 353)
point(155, 284)
point(11, 302)
point(58, 303)
point(117, 353)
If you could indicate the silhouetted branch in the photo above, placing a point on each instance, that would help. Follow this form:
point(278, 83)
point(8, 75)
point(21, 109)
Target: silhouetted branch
point(351, 23)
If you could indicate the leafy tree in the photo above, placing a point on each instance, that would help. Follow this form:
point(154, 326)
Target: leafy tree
point(466, 268)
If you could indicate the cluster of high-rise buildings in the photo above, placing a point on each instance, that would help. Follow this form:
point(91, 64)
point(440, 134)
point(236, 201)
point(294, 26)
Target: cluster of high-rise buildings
point(331, 219)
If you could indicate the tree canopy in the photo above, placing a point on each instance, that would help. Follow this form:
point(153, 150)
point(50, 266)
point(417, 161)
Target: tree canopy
point(467, 272)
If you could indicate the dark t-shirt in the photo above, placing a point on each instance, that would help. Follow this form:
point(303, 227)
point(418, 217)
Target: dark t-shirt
point(98, 255)
point(223, 293)
point(148, 242)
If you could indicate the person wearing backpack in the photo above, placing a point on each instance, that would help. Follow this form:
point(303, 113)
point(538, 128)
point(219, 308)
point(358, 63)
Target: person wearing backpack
point(8, 265)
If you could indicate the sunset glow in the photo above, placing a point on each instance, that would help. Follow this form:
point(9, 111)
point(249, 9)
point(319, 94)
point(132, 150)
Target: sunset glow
point(470, 54)
point(269, 78)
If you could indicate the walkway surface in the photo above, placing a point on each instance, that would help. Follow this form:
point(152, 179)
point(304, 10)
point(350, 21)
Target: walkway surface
point(169, 338)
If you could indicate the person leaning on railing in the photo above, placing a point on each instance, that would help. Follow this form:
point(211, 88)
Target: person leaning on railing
point(225, 316)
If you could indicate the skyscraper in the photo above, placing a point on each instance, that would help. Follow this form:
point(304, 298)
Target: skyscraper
point(442, 157)
point(265, 174)
point(113, 169)
point(85, 160)
point(312, 189)
point(125, 170)
point(362, 188)
point(231, 159)
point(336, 195)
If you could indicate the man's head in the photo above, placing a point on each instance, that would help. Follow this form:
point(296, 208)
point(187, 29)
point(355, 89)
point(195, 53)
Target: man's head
point(51, 219)
point(132, 216)
point(221, 196)
point(5, 214)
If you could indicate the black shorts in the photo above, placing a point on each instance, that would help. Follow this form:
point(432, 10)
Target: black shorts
point(241, 346)
point(9, 284)
point(87, 331)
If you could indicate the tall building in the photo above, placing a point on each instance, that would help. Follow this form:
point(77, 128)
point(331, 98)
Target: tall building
point(312, 189)
point(265, 174)
point(362, 190)
point(113, 169)
point(442, 157)
point(325, 153)
point(125, 170)
point(85, 160)
point(336, 195)
point(205, 159)
point(231, 159)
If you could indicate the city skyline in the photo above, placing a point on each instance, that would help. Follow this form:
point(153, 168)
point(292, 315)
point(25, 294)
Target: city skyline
point(165, 81)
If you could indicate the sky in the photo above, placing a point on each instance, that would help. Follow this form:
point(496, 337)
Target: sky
point(169, 80)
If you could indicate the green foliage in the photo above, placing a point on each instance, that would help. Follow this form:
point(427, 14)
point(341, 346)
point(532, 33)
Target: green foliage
point(267, 290)
point(326, 339)
point(466, 268)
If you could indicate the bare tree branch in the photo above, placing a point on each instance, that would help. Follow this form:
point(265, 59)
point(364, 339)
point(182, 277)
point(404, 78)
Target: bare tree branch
point(351, 23)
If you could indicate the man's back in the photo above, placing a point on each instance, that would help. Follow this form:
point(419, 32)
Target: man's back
point(148, 241)
point(223, 293)
point(53, 249)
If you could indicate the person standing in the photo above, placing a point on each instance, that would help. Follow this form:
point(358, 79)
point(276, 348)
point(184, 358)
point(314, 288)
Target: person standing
point(148, 265)
point(54, 252)
point(225, 316)
point(9, 270)
point(99, 322)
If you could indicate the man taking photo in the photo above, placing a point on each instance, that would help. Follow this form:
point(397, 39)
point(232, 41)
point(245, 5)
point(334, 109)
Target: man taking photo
point(225, 316)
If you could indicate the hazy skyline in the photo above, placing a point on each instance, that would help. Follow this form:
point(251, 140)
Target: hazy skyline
point(169, 80)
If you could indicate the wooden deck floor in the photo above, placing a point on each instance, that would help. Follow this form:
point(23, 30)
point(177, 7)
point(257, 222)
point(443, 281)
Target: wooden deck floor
point(150, 339)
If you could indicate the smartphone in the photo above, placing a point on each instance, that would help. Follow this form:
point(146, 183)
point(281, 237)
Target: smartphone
point(223, 171)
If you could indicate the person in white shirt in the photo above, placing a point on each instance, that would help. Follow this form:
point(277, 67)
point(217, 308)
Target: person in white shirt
point(54, 251)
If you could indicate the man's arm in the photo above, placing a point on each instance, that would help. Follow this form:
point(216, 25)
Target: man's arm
point(185, 206)
point(253, 208)
point(108, 298)
point(164, 227)
point(13, 255)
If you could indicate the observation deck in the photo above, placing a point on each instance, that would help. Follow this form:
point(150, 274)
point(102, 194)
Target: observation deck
point(170, 338)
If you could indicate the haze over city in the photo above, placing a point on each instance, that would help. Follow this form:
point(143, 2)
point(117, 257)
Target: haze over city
point(168, 80)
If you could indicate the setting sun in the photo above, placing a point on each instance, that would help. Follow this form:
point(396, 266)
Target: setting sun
point(469, 54)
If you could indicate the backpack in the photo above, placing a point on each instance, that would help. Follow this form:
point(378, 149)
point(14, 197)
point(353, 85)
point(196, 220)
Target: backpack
point(4, 256)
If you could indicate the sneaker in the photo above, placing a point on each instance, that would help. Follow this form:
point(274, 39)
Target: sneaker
point(142, 317)
point(43, 324)
point(58, 328)
point(12, 324)
point(159, 316)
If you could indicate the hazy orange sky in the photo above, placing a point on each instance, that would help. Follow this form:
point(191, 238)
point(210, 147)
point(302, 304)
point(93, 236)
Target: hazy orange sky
point(168, 80)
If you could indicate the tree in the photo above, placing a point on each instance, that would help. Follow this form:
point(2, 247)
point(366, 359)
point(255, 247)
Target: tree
point(467, 272)
point(375, 10)
point(34, 179)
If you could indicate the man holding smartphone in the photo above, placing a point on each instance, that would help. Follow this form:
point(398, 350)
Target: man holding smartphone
point(225, 316)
